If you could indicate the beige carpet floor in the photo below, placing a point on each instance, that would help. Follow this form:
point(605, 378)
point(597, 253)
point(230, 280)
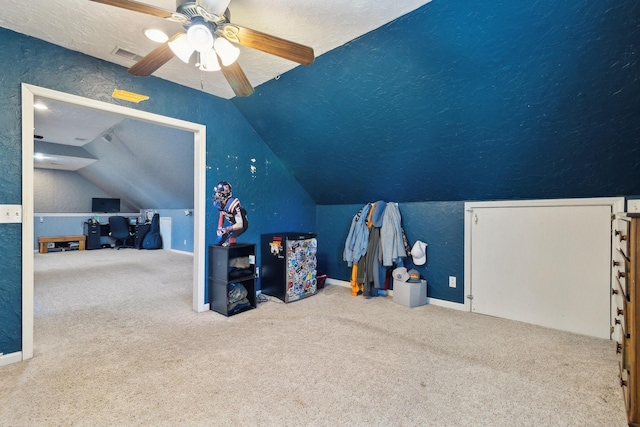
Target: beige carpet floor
point(117, 344)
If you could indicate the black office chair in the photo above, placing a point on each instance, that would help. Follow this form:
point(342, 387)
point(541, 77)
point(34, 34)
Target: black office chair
point(119, 230)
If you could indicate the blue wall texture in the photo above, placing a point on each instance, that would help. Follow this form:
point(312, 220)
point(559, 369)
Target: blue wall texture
point(438, 224)
point(466, 100)
point(267, 190)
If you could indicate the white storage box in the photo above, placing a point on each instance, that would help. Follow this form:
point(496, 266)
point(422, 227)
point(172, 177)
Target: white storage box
point(410, 294)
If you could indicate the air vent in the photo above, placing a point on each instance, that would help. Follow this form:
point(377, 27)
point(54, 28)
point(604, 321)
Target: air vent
point(123, 53)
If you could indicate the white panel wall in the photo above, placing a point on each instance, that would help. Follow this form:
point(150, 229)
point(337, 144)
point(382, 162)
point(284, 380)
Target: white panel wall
point(547, 264)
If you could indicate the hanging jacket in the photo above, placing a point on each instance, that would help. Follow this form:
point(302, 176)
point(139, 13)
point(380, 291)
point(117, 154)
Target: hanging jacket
point(391, 240)
point(356, 243)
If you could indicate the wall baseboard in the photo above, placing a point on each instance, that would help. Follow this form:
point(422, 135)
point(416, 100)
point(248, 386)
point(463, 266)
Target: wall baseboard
point(432, 301)
point(7, 359)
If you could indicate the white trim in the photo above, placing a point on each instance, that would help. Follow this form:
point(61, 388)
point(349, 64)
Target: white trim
point(178, 251)
point(330, 281)
point(28, 125)
point(594, 201)
point(447, 304)
point(431, 301)
point(29, 92)
point(81, 215)
point(7, 359)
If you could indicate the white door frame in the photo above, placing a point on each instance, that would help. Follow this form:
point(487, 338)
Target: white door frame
point(29, 93)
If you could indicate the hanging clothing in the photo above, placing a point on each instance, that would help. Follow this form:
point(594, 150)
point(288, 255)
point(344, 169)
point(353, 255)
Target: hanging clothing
point(356, 243)
point(377, 213)
point(373, 267)
point(391, 239)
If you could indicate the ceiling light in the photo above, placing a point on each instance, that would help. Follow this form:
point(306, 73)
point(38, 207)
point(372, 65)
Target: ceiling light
point(181, 48)
point(228, 52)
point(200, 38)
point(155, 35)
point(208, 61)
point(40, 106)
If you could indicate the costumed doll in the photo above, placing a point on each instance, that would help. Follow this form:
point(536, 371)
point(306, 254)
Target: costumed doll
point(231, 210)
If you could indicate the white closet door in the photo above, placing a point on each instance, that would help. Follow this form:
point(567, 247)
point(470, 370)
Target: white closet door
point(545, 265)
point(165, 232)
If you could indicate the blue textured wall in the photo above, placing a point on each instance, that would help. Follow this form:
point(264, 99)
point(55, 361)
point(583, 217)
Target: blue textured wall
point(438, 224)
point(466, 100)
point(267, 190)
point(458, 101)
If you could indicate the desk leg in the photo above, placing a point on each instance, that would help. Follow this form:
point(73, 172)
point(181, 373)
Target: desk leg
point(82, 245)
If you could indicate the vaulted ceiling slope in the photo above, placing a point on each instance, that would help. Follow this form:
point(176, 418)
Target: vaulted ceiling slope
point(145, 165)
point(466, 101)
point(115, 34)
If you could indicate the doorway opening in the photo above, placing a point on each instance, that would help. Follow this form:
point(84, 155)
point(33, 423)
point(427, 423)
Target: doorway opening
point(29, 94)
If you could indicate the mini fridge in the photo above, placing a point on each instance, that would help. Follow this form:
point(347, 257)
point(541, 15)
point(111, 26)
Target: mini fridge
point(288, 265)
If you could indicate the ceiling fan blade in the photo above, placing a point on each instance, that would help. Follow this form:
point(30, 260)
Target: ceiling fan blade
point(137, 7)
point(236, 78)
point(267, 43)
point(154, 60)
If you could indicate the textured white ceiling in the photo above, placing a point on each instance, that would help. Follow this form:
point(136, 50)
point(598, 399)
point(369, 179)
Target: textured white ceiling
point(97, 30)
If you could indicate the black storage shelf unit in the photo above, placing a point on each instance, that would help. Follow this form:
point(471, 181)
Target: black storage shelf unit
point(229, 265)
point(92, 231)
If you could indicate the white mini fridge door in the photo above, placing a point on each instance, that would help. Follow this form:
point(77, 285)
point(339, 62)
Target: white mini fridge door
point(301, 268)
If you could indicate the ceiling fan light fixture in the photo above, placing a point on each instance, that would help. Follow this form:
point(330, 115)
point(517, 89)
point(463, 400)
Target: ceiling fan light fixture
point(200, 37)
point(155, 35)
point(208, 61)
point(181, 48)
point(228, 52)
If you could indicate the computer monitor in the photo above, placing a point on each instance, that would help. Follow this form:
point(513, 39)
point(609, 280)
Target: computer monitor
point(105, 205)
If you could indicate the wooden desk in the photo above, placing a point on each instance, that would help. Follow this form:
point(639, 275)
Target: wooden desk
point(43, 247)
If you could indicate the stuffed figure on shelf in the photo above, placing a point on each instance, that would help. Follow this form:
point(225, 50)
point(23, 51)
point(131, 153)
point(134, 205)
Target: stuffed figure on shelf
point(231, 211)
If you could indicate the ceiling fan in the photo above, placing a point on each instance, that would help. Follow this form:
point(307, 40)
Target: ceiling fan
point(209, 33)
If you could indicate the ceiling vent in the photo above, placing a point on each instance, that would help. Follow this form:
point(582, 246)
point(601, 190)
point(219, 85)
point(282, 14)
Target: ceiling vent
point(123, 53)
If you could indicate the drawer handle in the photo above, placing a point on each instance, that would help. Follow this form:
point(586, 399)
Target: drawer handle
point(619, 310)
point(617, 321)
point(623, 383)
point(618, 348)
point(621, 274)
point(621, 236)
point(616, 263)
point(614, 291)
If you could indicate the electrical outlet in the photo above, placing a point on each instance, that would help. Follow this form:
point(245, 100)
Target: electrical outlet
point(452, 281)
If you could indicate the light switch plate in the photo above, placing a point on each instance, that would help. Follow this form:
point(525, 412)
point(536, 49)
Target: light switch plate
point(10, 213)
